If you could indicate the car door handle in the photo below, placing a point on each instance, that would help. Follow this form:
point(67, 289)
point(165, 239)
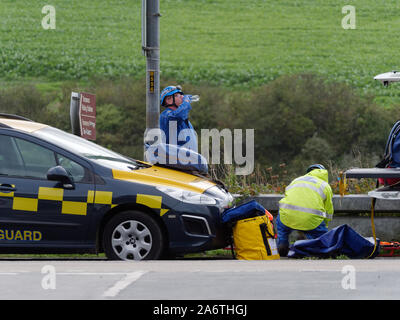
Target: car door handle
point(7, 188)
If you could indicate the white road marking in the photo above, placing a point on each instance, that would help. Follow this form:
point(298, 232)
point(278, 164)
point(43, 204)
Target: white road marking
point(8, 273)
point(91, 273)
point(122, 284)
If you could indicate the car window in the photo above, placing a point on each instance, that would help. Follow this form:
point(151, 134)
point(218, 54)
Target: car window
point(19, 157)
point(10, 159)
point(37, 159)
point(87, 149)
point(73, 168)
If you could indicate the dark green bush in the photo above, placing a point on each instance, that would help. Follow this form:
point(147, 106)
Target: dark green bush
point(297, 119)
point(303, 116)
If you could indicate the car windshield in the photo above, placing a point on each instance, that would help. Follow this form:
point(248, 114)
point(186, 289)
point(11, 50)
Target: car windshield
point(87, 149)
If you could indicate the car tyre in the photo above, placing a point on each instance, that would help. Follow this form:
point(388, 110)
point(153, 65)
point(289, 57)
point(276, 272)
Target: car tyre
point(133, 235)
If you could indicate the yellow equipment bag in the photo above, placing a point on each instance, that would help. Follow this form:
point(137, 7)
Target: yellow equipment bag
point(254, 239)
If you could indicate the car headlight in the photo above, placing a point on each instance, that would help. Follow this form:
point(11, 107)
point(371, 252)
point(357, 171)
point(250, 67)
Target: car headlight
point(225, 199)
point(188, 196)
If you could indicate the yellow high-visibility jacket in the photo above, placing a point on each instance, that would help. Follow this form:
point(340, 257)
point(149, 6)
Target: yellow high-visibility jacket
point(307, 201)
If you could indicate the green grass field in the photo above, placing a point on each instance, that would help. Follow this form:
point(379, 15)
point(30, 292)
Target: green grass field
point(222, 42)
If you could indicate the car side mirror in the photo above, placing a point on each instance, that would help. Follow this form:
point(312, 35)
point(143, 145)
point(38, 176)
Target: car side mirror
point(58, 173)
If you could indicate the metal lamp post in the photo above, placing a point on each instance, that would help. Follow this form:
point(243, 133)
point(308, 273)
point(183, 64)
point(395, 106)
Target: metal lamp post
point(151, 49)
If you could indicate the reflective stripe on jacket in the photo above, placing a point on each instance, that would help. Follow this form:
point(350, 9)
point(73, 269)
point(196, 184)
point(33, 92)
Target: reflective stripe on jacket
point(307, 201)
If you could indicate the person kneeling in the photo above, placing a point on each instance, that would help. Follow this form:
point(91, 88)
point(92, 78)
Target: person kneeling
point(306, 207)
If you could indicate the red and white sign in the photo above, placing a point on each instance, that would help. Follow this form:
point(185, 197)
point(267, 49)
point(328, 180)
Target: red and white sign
point(87, 115)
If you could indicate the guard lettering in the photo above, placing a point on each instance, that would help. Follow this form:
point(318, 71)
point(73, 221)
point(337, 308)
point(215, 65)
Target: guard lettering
point(20, 235)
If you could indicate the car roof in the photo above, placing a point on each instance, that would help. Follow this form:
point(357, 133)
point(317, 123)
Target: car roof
point(20, 123)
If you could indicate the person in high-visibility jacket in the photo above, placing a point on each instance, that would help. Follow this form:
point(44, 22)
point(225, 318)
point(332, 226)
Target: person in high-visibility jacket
point(307, 207)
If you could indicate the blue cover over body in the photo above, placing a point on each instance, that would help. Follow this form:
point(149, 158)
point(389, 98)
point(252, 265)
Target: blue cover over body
point(176, 157)
point(340, 240)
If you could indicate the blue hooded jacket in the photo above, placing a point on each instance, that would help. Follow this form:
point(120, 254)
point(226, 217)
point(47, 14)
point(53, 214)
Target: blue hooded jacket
point(181, 117)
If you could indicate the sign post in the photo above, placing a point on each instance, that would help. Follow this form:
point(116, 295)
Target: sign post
point(83, 115)
point(87, 115)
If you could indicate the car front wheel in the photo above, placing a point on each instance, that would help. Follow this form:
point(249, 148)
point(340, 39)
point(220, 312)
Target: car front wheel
point(133, 235)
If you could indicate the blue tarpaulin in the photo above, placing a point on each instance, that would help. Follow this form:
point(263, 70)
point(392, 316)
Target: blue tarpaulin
point(342, 240)
point(247, 210)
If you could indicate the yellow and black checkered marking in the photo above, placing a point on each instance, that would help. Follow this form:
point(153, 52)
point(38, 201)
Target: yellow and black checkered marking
point(154, 202)
point(56, 195)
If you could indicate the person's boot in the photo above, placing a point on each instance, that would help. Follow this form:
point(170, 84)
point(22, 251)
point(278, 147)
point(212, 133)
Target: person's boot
point(283, 249)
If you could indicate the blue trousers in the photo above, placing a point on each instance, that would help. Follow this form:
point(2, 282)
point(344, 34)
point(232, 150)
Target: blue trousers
point(284, 232)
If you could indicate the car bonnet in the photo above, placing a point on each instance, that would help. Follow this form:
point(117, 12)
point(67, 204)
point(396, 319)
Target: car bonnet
point(159, 176)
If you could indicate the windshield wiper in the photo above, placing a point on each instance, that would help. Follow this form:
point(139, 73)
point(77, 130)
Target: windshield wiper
point(131, 162)
point(141, 164)
point(109, 159)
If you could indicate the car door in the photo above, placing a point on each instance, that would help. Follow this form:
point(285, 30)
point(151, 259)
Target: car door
point(35, 211)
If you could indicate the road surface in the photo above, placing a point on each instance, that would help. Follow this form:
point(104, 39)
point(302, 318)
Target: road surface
point(200, 279)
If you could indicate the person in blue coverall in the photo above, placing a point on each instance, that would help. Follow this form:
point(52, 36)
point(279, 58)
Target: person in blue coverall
point(176, 117)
